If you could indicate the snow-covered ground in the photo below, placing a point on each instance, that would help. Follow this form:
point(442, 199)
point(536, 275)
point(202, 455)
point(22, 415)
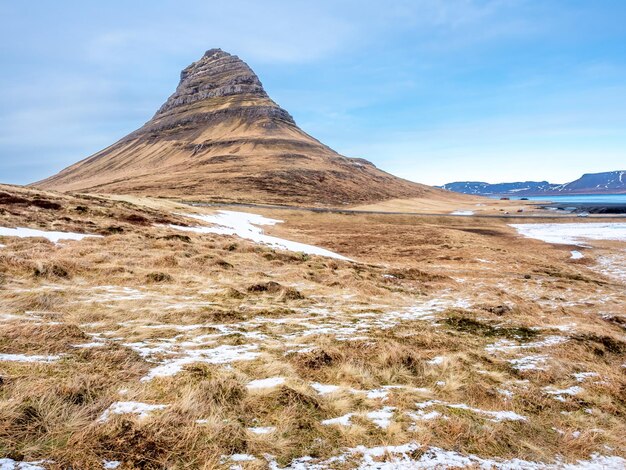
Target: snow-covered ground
point(10, 464)
point(222, 354)
point(54, 237)
point(27, 358)
point(403, 457)
point(462, 213)
point(262, 430)
point(612, 265)
point(297, 330)
point(244, 225)
point(575, 254)
point(142, 410)
point(270, 382)
point(574, 233)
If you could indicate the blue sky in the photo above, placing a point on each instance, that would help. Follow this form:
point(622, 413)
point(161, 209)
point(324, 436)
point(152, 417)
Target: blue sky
point(431, 90)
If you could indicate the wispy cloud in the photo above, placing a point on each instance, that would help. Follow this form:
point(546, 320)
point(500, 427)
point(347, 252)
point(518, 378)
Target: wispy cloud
point(399, 82)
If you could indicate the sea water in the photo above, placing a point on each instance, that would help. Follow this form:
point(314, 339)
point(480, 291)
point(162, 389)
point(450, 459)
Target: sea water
point(578, 198)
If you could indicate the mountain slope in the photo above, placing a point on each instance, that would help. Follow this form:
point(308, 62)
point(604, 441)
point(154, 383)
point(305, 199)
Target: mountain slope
point(221, 137)
point(611, 182)
point(607, 183)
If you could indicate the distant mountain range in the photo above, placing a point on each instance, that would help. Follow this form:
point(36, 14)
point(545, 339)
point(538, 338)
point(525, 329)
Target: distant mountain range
point(610, 182)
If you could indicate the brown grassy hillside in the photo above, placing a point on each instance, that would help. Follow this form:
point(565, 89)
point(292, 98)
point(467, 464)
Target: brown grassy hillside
point(449, 340)
point(221, 137)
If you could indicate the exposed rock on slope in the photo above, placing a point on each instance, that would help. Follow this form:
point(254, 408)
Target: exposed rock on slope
point(221, 137)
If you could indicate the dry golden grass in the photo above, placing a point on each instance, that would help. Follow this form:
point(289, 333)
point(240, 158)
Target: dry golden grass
point(418, 314)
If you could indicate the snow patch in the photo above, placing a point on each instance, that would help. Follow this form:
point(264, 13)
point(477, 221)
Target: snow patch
point(10, 464)
point(244, 225)
point(436, 361)
point(612, 266)
point(381, 418)
point(581, 376)
point(94, 344)
point(421, 415)
point(558, 394)
point(324, 389)
point(527, 363)
point(506, 345)
point(575, 254)
point(572, 233)
point(242, 457)
point(28, 358)
point(54, 237)
point(496, 416)
point(220, 355)
point(270, 382)
point(143, 410)
point(402, 457)
point(342, 420)
point(262, 430)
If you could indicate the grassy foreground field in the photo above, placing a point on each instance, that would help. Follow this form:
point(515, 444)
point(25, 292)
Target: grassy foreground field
point(448, 342)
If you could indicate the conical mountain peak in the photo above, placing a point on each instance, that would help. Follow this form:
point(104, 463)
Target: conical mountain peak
point(216, 74)
point(219, 136)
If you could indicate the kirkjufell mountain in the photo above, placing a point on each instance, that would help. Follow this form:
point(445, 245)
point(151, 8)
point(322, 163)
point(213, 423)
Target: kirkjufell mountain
point(221, 137)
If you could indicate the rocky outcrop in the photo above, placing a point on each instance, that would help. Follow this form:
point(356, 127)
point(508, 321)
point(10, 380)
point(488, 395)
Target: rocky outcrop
point(219, 136)
point(217, 74)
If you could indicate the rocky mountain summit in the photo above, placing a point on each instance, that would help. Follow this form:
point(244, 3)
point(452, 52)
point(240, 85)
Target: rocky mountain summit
point(221, 137)
point(217, 75)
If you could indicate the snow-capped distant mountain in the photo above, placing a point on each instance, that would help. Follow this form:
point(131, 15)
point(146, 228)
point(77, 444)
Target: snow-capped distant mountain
point(611, 182)
point(486, 189)
point(608, 182)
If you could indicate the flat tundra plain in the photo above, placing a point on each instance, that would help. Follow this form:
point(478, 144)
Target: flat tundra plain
point(179, 337)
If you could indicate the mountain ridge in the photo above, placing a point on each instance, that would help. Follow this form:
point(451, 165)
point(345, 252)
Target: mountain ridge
point(609, 182)
point(220, 136)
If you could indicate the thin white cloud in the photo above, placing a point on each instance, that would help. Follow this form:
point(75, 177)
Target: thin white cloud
point(398, 82)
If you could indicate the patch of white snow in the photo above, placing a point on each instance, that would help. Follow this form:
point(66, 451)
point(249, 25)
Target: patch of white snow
point(244, 225)
point(143, 410)
point(28, 358)
point(575, 254)
point(54, 237)
point(572, 233)
point(270, 382)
